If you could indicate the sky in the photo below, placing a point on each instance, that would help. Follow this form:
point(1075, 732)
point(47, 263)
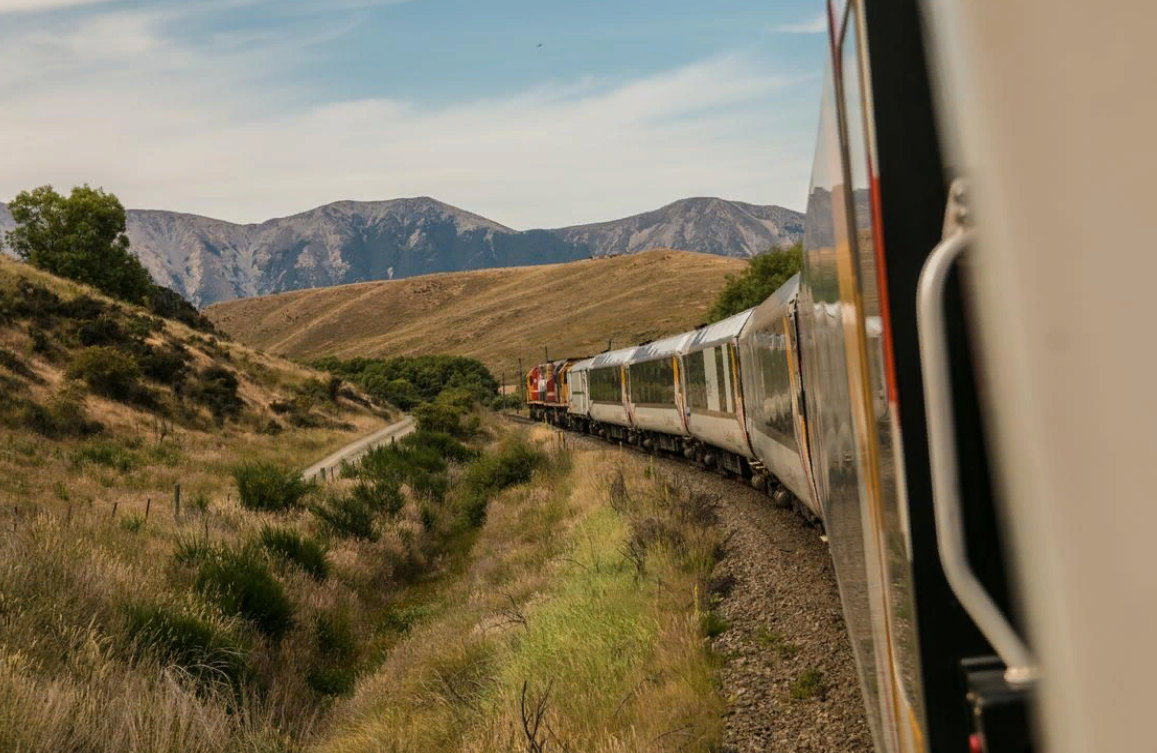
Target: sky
point(533, 114)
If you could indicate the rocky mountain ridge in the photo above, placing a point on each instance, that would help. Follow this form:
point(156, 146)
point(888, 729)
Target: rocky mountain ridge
point(209, 260)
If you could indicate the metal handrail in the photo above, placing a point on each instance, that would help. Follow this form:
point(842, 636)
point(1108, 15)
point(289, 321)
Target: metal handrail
point(1020, 666)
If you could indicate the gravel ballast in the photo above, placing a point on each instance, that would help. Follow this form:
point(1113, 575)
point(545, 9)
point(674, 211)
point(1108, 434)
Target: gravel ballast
point(788, 672)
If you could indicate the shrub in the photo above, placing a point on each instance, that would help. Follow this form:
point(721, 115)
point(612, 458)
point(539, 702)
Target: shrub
point(513, 464)
point(64, 415)
point(106, 454)
point(134, 523)
point(103, 330)
point(205, 650)
point(292, 548)
point(16, 365)
point(166, 364)
point(216, 388)
point(381, 495)
point(510, 401)
point(443, 444)
point(337, 643)
point(347, 517)
point(439, 417)
point(108, 372)
point(171, 305)
point(240, 583)
point(266, 486)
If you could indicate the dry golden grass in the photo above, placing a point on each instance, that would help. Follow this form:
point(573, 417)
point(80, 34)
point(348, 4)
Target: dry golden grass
point(77, 552)
point(612, 648)
point(495, 315)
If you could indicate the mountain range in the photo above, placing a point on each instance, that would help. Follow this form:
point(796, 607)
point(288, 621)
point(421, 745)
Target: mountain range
point(209, 260)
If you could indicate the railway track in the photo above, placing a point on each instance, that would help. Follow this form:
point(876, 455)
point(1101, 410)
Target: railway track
point(781, 502)
point(781, 604)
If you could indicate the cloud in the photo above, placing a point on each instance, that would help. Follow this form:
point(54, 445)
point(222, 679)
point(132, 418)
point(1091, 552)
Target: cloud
point(34, 6)
point(816, 25)
point(218, 128)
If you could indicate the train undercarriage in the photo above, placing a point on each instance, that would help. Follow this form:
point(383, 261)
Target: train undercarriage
point(706, 457)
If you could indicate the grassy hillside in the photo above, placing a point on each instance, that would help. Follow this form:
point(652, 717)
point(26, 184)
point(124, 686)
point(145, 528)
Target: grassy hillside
point(123, 625)
point(495, 315)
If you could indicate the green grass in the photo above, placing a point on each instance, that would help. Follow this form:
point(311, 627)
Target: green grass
point(808, 686)
point(296, 549)
point(776, 643)
point(714, 625)
point(240, 583)
point(197, 644)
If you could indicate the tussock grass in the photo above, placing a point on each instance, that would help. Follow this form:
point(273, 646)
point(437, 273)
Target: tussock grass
point(293, 548)
point(553, 621)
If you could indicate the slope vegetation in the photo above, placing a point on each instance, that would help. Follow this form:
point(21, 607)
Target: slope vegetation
point(495, 315)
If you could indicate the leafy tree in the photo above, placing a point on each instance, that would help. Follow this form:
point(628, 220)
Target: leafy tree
point(81, 237)
point(765, 274)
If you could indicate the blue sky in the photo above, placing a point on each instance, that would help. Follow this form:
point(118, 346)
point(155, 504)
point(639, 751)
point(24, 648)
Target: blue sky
point(249, 109)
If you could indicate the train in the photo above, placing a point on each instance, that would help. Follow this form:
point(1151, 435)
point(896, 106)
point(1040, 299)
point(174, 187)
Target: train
point(728, 396)
point(955, 386)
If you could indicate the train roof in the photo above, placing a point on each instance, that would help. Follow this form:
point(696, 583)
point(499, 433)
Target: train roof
point(665, 348)
point(582, 365)
point(613, 357)
point(777, 305)
point(719, 332)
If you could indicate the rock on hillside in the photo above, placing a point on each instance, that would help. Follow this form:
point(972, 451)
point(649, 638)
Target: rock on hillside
point(210, 260)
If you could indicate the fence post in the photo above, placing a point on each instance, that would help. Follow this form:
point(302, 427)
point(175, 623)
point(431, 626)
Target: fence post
point(176, 501)
point(148, 504)
point(114, 509)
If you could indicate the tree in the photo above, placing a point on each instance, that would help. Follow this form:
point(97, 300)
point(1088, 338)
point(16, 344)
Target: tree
point(764, 275)
point(81, 237)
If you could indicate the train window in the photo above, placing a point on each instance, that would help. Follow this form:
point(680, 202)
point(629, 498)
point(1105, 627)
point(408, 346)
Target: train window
point(710, 387)
point(696, 381)
point(605, 385)
point(653, 383)
point(776, 418)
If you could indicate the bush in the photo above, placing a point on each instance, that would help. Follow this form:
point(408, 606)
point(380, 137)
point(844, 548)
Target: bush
point(337, 644)
point(216, 388)
point(398, 379)
point(268, 487)
point(510, 401)
point(103, 330)
point(240, 583)
point(446, 446)
point(166, 364)
point(347, 517)
point(108, 372)
point(381, 495)
point(205, 650)
point(439, 417)
point(513, 464)
point(64, 415)
point(291, 547)
point(171, 305)
point(106, 454)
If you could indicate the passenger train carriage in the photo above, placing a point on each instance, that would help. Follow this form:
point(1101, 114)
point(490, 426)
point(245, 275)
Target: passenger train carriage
point(931, 388)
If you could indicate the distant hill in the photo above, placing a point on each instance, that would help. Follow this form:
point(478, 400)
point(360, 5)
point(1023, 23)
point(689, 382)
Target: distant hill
point(496, 315)
point(210, 260)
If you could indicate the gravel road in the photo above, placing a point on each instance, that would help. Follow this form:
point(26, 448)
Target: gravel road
point(355, 450)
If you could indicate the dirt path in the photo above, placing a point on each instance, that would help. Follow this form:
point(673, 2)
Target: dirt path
point(354, 450)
